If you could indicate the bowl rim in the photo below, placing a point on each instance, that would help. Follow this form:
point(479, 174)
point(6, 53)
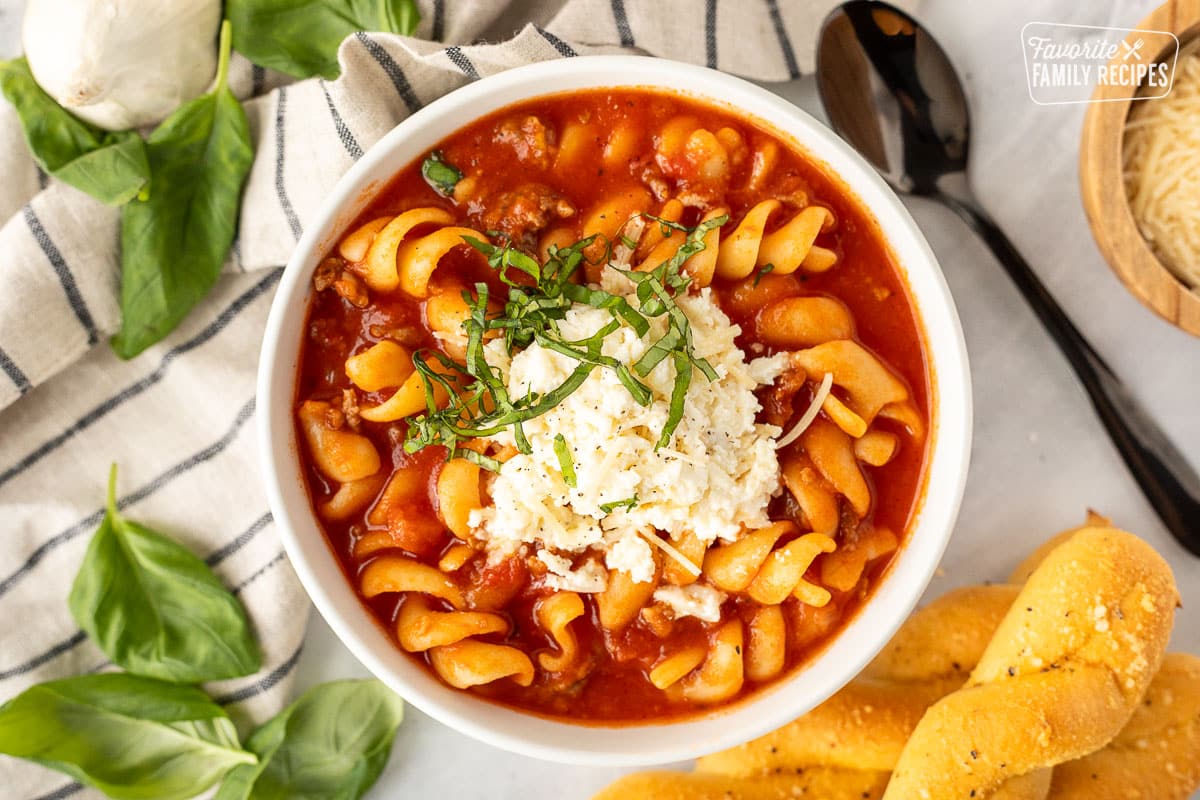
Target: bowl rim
point(626, 744)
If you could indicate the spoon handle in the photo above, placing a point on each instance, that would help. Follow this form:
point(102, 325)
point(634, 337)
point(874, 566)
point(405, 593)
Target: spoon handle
point(1168, 481)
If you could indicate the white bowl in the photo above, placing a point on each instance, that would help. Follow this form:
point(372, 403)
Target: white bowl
point(623, 744)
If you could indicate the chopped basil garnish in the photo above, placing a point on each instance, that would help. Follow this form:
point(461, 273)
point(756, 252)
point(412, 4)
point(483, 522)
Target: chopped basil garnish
point(656, 292)
point(479, 402)
point(766, 268)
point(565, 462)
point(441, 176)
point(628, 502)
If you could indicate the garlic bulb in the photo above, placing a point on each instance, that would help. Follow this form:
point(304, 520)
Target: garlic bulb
point(122, 63)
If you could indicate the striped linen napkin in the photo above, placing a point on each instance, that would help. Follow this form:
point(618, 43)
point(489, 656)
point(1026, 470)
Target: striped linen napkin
point(179, 418)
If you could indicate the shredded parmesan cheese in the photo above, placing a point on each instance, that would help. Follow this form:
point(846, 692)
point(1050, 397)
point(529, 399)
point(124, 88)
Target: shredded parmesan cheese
point(713, 480)
point(810, 414)
point(697, 600)
point(1162, 171)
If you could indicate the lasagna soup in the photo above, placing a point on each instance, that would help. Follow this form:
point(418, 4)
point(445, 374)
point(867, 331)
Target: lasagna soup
point(613, 407)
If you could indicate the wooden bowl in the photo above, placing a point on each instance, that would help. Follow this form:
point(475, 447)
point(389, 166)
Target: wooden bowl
point(1103, 187)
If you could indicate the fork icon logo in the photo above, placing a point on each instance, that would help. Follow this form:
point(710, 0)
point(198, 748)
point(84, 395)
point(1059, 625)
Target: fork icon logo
point(1132, 50)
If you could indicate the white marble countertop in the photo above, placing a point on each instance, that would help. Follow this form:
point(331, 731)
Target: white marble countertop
point(1039, 458)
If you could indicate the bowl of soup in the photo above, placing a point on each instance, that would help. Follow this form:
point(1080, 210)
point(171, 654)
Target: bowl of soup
point(613, 411)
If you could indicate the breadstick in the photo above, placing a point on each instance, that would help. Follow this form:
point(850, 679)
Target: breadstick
point(1061, 677)
point(945, 638)
point(819, 783)
point(1034, 786)
point(1156, 756)
point(1031, 562)
point(866, 724)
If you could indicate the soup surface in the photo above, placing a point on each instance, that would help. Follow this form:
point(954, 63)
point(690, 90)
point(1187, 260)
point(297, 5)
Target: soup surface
point(614, 407)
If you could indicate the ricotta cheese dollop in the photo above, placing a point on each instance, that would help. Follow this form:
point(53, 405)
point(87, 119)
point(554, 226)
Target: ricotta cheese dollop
point(714, 479)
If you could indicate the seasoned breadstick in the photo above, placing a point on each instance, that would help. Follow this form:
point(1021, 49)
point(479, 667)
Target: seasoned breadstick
point(1034, 786)
point(1063, 674)
point(1156, 756)
point(866, 724)
point(945, 638)
point(1031, 562)
point(819, 783)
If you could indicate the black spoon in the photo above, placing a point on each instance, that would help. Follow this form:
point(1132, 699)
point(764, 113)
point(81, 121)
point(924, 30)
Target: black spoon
point(890, 91)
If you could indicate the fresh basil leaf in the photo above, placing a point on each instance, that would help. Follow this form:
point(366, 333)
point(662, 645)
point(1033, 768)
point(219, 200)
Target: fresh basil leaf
point(130, 737)
point(174, 242)
point(565, 462)
point(766, 268)
point(441, 176)
point(628, 502)
point(111, 167)
point(331, 744)
point(157, 610)
point(301, 37)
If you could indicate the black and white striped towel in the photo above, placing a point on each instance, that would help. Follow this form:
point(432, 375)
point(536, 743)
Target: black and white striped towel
point(179, 418)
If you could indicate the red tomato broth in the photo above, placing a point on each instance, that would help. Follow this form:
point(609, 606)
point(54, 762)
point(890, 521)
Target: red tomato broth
point(866, 279)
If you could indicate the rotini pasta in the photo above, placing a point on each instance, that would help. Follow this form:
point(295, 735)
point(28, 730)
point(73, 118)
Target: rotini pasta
point(472, 663)
point(797, 322)
point(458, 495)
point(389, 574)
point(750, 246)
point(766, 650)
point(419, 628)
point(381, 266)
point(351, 498)
point(782, 573)
point(380, 366)
point(409, 397)
point(597, 427)
point(722, 672)
point(623, 598)
point(339, 454)
point(869, 385)
point(555, 614)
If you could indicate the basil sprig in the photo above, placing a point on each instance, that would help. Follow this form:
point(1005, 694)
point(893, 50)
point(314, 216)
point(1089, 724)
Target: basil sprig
point(157, 610)
point(133, 737)
point(111, 167)
point(174, 242)
point(130, 737)
point(331, 743)
point(301, 37)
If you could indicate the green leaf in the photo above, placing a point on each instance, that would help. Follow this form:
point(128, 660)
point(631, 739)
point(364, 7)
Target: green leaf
point(157, 610)
point(130, 737)
point(628, 502)
point(766, 268)
point(683, 379)
point(174, 242)
point(301, 37)
point(111, 167)
point(331, 744)
point(565, 462)
point(441, 176)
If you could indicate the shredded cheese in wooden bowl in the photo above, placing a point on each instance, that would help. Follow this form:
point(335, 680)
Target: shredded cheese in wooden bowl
point(1162, 172)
